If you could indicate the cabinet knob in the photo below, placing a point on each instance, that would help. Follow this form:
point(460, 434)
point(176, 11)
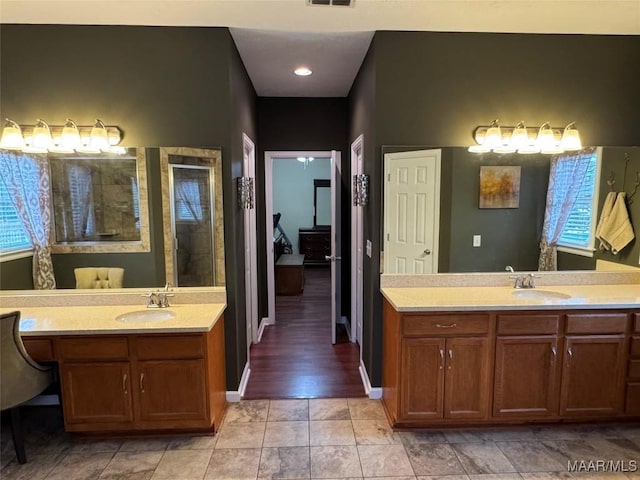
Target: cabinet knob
point(441, 359)
point(124, 383)
point(142, 382)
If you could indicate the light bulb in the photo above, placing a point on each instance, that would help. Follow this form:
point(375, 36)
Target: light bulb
point(12, 138)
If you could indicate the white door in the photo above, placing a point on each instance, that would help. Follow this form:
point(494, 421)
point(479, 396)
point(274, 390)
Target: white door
point(357, 242)
point(411, 211)
point(336, 182)
point(250, 249)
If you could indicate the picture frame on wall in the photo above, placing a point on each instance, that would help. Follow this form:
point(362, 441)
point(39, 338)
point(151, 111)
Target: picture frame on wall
point(499, 187)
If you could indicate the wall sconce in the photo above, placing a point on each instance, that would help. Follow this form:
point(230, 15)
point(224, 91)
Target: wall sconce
point(360, 190)
point(245, 193)
point(546, 139)
point(67, 138)
point(305, 160)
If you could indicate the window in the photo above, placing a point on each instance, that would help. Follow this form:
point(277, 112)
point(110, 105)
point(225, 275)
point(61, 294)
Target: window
point(13, 237)
point(578, 235)
point(188, 206)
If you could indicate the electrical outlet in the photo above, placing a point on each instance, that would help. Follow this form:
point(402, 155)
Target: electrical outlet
point(477, 240)
point(369, 248)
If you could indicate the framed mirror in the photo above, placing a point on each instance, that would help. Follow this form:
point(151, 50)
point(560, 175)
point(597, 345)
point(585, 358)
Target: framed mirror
point(321, 202)
point(99, 203)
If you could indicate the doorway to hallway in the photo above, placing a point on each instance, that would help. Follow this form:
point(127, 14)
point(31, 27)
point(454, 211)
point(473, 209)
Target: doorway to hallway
point(295, 358)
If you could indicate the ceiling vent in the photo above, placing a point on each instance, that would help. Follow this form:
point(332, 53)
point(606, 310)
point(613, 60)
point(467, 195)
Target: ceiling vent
point(332, 3)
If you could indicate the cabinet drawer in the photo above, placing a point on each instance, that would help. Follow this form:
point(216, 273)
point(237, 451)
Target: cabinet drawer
point(40, 349)
point(445, 324)
point(635, 346)
point(169, 347)
point(103, 348)
point(528, 324)
point(634, 369)
point(597, 323)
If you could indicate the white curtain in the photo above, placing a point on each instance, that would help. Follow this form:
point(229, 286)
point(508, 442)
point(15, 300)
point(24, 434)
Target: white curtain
point(28, 182)
point(565, 178)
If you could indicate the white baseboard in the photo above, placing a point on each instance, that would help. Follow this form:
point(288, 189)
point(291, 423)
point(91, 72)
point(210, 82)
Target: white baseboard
point(263, 323)
point(234, 396)
point(41, 400)
point(372, 392)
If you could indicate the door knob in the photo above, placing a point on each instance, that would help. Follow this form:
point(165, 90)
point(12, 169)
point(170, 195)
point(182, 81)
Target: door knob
point(332, 258)
point(427, 251)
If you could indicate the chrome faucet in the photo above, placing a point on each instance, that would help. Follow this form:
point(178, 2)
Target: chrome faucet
point(509, 268)
point(524, 281)
point(159, 299)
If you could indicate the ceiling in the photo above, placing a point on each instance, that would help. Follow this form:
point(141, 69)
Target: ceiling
point(275, 36)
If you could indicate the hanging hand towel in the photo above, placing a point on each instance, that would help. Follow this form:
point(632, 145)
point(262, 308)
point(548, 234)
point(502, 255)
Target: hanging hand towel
point(617, 230)
point(607, 208)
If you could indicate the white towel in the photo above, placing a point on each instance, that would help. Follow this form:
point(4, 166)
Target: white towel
point(617, 230)
point(607, 208)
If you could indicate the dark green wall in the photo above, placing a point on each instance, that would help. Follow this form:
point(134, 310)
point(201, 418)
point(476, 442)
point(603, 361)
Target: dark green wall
point(434, 88)
point(299, 124)
point(164, 86)
point(16, 274)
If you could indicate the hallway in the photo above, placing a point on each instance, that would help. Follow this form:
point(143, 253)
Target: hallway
point(295, 358)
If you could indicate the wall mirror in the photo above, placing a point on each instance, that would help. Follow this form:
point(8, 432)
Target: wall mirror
point(192, 216)
point(187, 252)
point(321, 202)
point(99, 203)
point(507, 236)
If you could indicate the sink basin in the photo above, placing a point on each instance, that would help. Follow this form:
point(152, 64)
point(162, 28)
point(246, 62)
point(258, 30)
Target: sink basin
point(540, 294)
point(144, 316)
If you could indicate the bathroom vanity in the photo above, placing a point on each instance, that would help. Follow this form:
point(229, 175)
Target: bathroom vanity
point(135, 373)
point(486, 355)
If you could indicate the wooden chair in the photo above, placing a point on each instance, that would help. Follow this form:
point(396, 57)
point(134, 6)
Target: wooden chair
point(21, 377)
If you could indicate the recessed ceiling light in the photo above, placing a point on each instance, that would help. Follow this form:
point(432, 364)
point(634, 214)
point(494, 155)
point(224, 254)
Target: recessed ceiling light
point(303, 71)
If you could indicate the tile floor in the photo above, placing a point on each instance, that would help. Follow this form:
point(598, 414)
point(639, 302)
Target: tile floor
point(318, 439)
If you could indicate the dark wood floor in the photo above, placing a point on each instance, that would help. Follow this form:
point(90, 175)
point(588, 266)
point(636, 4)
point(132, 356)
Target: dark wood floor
point(295, 358)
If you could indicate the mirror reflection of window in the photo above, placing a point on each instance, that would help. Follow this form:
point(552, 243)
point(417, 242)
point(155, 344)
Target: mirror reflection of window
point(95, 199)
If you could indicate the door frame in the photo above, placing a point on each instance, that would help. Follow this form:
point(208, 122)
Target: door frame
point(269, 158)
point(250, 247)
point(357, 255)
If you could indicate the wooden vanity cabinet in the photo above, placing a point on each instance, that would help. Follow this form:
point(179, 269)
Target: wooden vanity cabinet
point(527, 369)
point(142, 382)
point(594, 364)
point(632, 397)
point(440, 371)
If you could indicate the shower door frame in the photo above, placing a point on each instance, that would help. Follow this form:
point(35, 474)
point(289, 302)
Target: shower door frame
point(172, 199)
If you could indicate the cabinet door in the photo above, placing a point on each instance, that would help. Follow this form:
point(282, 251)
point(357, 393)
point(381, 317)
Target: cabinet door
point(96, 392)
point(592, 382)
point(171, 391)
point(422, 379)
point(467, 378)
point(526, 373)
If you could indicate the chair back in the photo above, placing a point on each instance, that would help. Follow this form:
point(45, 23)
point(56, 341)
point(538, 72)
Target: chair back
point(99, 277)
point(21, 377)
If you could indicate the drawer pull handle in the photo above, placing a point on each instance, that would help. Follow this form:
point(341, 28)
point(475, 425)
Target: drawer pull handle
point(450, 362)
point(444, 325)
point(124, 383)
point(441, 359)
point(142, 382)
point(554, 351)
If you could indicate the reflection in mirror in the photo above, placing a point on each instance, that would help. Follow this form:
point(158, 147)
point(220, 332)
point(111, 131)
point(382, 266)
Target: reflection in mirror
point(192, 216)
point(321, 202)
point(471, 239)
point(99, 203)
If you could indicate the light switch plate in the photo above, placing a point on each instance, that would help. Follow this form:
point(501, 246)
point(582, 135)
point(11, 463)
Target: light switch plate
point(369, 248)
point(477, 240)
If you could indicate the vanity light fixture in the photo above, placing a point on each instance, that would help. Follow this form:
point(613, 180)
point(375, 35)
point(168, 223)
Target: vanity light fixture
point(305, 160)
point(546, 139)
point(360, 190)
point(67, 138)
point(245, 193)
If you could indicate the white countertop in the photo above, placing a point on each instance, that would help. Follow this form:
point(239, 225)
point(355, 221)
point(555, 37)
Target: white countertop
point(414, 299)
point(92, 320)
